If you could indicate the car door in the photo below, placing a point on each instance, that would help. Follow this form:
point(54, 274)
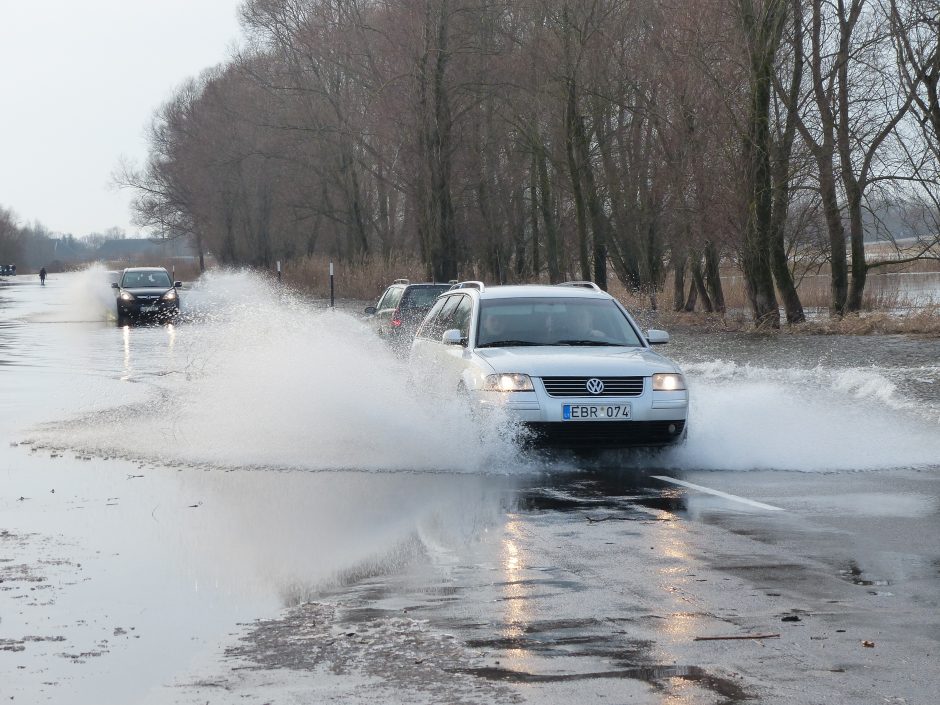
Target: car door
point(439, 364)
point(385, 309)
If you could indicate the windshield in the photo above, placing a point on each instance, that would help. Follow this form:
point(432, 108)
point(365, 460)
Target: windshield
point(422, 296)
point(144, 279)
point(569, 321)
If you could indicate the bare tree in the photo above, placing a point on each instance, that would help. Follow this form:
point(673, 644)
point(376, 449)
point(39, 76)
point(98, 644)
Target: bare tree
point(851, 129)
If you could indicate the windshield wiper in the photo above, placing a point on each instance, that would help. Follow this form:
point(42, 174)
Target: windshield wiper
point(587, 342)
point(507, 344)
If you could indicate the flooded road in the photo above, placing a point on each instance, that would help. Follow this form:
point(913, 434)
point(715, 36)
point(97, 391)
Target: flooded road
point(257, 504)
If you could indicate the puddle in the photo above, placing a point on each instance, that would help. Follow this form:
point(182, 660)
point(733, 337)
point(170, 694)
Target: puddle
point(649, 674)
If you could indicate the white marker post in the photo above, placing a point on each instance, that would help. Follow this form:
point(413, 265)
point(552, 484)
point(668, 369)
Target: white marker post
point(331, 285)
point(279, 270)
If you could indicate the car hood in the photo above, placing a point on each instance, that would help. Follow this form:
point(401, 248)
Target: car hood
point(147, 290)
point(552, 361)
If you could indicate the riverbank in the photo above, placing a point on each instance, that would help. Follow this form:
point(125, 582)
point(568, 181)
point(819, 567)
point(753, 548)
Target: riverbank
point(922, 322)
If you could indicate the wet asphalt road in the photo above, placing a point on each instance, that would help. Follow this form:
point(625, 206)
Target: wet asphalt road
point(155, 547)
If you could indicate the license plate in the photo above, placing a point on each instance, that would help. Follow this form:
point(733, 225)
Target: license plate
point(148, 309)
point(595, 412)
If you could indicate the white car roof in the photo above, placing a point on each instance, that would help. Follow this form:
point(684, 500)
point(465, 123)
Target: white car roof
point(516, 291)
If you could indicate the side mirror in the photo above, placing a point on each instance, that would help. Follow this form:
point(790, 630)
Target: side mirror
point(115, 285)
point(177, 285)
point(452, 337)
point(369, 310)
point(657, 337)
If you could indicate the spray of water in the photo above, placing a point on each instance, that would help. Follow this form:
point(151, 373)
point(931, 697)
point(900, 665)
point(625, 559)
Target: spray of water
point(76, 297)
point(255, 375)
point(821, 419)
point(258, 376)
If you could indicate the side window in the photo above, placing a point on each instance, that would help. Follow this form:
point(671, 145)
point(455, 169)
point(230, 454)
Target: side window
point(461, 317)
point(447, 315)
point(429, 322)
point(390, 298)
point(434, 326)
point(382, 299)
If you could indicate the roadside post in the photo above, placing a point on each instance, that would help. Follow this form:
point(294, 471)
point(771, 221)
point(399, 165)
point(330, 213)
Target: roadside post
point(279, 270)
point(331, 285)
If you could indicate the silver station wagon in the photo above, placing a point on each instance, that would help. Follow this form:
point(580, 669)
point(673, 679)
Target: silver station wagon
point(567, 360)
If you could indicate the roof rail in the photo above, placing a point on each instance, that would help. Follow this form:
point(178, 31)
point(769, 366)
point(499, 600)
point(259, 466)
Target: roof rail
point(582, 284)
point(401, 281)
point(469, 285)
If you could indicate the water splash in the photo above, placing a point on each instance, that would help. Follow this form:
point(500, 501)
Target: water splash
point(264, 377)
point(259, 376)
point(819, 419)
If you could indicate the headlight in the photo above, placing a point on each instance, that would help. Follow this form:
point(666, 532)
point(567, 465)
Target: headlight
point(508, 382)
point(170, 295)
point(668, 382)
point(126, 296)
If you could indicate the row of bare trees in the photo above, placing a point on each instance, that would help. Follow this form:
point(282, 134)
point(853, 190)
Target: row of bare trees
point(32, 246)
point(524, 139)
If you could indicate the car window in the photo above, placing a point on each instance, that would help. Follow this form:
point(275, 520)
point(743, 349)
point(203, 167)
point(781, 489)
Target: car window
point(442, 318)
point(425, 330)
point(422, 296)
point(390, 298)
point(144, 279)
point(461, 317)
point(546, 321)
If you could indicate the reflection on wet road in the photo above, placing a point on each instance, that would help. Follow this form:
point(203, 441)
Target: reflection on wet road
point(267, 463)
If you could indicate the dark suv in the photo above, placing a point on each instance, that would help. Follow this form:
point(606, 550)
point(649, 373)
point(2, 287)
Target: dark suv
point(400, 310)
point(146, 292)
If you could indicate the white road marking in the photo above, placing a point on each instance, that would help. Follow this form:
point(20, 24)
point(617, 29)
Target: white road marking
point(717, 493)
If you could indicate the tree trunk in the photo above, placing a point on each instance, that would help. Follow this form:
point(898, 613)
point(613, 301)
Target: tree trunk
point(792, 306)
point(622, 237)
point(691, 299)
point(678, 282)
point(436, 145)
point(763, 37)
point(598, 218)
point(534, 216)
point(548, 217)
point(572, 119)
point(698, 282)
point(713, 277)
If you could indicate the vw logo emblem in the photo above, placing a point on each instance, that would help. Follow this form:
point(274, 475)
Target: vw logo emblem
point(594, 385)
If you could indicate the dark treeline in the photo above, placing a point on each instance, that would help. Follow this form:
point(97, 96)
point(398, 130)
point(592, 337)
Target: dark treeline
point(646, 140)
point(32, 246)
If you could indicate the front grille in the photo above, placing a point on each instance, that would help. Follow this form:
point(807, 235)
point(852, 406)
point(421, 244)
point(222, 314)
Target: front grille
point(577, 386)
point(604, 434)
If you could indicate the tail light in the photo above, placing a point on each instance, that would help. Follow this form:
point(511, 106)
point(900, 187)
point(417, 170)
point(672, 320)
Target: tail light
point(396, 318)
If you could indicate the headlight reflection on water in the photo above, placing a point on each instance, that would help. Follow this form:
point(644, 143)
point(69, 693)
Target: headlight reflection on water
point(516, 594)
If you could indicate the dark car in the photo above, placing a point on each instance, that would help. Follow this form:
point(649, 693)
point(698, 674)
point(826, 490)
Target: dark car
point(146, 292)
point(400, 310)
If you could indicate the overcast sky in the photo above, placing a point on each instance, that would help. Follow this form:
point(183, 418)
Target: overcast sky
point(79, 82)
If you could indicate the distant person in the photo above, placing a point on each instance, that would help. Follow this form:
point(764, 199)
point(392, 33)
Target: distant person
point(42, 276)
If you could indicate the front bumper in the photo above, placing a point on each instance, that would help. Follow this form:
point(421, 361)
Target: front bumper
point(148, 309)
point(588, 435)
point(656, 418)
